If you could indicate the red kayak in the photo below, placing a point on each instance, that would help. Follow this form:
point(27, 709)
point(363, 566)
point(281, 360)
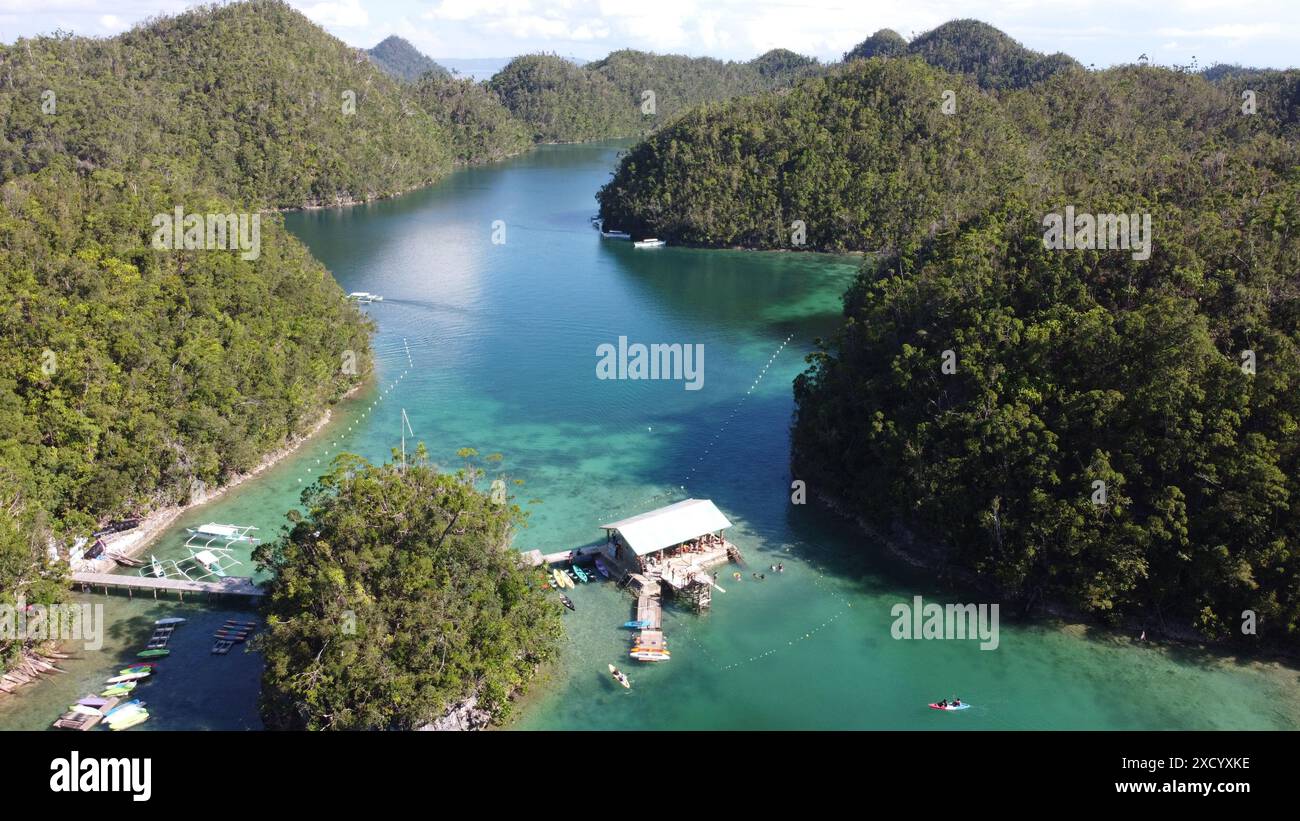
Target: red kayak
point(949, 707)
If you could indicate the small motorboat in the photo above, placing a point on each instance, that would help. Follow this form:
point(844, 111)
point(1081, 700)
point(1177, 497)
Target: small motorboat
point(567, 602)
point(620, 677)
point(649, 242)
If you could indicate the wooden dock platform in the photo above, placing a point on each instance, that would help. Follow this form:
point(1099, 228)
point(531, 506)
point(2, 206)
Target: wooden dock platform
point(230, 586)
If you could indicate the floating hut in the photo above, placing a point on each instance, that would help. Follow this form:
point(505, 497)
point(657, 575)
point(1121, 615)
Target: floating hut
point(674, 544)
point(669, 549)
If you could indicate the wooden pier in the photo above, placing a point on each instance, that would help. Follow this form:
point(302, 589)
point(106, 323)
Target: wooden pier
point(230, 586)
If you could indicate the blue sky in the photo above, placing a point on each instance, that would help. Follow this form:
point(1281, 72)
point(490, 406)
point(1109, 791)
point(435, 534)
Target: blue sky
point(1100, 32)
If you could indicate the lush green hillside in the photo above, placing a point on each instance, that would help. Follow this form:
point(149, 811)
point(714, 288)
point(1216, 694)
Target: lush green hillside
point(129, 376)
point(969, 47)
point(478, 125)
point(251, 99)
point(884, 43)
point(864, 157)
point(397, 58)
point(132, 375)
point(630, 92)
point(561, 102)
point(1078, 367)
point(387, 620)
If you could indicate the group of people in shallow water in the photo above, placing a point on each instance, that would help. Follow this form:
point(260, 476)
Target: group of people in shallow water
point(776, 568)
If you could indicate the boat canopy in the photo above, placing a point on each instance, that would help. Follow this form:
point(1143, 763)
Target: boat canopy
point(669, 526)
point(226, 531)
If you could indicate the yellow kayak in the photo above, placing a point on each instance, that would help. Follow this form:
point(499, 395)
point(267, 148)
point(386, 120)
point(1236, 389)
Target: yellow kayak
point(561, 579)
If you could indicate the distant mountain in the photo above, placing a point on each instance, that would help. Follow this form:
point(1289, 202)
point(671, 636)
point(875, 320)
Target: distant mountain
point(978, 50)
point(398, 58)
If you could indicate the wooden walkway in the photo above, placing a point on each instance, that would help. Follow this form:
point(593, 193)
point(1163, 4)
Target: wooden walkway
point(230, 586)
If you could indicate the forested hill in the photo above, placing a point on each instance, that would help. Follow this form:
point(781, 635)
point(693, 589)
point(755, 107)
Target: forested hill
point(630, 93)
point(250, 98)
point(133, 372)
point(1114, 433)
point(863, 157)
point(399, 59)
point(969, 47)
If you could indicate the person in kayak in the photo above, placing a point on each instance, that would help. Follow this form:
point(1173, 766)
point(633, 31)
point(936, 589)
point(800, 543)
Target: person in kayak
point(944, 703)
point(956, 702)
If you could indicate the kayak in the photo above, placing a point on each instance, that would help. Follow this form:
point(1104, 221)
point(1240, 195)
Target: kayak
point(167, 621)
point(950, 707)
point(126, 677)
point(149, 654)
point(637, 625)
point(620, 677)
point(601, 568)
point(562, 581)
point(126, 705)
point(119, 689)
point(132, 670)
point(130, 721)
point(581, 574)
point(567, 602)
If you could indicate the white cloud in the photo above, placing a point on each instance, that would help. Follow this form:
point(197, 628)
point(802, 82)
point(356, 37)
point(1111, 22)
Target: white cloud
point(341, 13)
point(1233, 31)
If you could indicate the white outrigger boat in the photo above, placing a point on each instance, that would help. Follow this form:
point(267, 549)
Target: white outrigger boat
point(649, 242)
point(213, 532)
point(214, 561)
point(365, 296)
point(211, 554)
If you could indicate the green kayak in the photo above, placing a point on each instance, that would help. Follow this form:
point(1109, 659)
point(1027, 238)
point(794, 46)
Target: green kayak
point(152, 654)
